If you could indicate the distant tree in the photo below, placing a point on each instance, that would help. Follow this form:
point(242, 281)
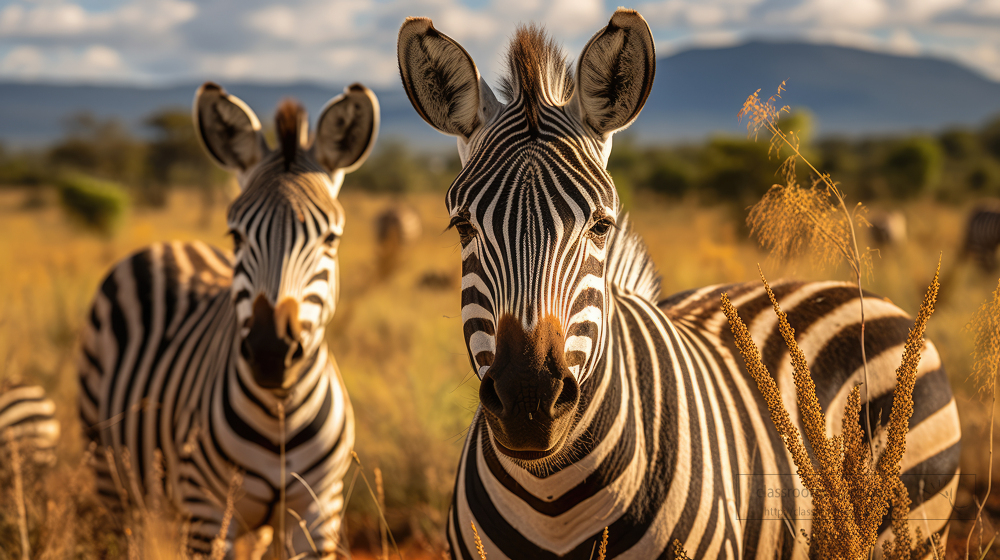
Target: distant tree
point(990, 136)
point(102, 148)
point(737, 171)
point(394, 168)
point(913, 167)
point(174, 157)
point(959, 143)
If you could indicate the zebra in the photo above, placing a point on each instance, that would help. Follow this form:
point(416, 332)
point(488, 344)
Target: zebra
point(982, 236)
point(888, 228)
point(28, 416)
point(599, 408)
point(218, 362)
point(395, 227)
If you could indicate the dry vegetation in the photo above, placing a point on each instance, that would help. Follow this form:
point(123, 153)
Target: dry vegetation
point(399, 345)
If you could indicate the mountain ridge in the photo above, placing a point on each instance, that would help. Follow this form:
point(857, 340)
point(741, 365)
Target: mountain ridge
point(697, 93)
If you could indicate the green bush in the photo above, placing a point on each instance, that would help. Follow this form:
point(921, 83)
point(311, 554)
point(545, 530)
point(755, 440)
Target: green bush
point(97, 205)
point(913, 167)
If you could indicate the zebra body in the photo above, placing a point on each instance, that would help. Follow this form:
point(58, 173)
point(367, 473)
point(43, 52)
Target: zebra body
point(28, 417)
point(217, 365)
point(982, 236)
point(599, 408)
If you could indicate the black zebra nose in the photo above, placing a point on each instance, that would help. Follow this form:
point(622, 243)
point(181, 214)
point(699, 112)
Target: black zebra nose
point(272, 347)
point(529, 394)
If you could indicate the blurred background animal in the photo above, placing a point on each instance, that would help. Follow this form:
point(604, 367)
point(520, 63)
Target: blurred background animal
point(397, 227)
point(28, 417)
point(982, 236)
point(888, 228)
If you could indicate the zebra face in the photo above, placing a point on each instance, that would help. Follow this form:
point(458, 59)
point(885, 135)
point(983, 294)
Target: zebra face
point(535, 211)
point(287, 223)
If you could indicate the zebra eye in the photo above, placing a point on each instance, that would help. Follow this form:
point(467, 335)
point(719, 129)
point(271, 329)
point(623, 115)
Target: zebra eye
point(601, 227)
point(237, 240)
point(466, 231)
point(331, 238)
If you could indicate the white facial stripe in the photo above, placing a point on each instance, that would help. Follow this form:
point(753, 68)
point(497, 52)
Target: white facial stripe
point(476, 311)
point(481, 342)
point(590, 313)
point(579, 344)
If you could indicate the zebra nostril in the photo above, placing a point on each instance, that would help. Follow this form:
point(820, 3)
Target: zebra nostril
point(489, 397)
point(568, 396)
point(245, 350)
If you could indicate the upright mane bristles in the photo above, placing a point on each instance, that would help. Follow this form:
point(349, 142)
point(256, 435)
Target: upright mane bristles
point(537, 71)
point(630, 268)
point(292, 126)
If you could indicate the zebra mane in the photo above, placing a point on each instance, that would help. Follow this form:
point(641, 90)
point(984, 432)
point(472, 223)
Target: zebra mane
point(630, 267)
point(536, 71)
point(292, 127)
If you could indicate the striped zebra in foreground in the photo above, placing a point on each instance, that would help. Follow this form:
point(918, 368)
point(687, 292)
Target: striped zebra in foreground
point(599, 408)
point(192, 352)
point(982, 236)
point(27, 416)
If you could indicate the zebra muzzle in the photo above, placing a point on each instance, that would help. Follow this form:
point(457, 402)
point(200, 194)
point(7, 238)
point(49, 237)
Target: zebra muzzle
point(273, 348)
point(529, 395)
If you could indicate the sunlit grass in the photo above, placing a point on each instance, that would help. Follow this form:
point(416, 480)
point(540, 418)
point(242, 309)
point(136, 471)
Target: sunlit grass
point(399, 344)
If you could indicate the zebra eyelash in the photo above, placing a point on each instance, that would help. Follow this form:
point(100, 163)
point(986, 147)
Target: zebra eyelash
point(238, 240)
point(466, 231)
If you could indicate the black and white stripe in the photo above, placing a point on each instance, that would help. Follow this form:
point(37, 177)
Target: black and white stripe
point(218, 362)
point(28, 417)
point(982, 236)
point(598, 407)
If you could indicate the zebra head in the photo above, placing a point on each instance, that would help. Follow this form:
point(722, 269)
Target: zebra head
point(535, 209)
point(286, 223)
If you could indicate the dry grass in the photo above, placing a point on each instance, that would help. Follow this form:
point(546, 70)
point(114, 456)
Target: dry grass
point(850, 495)
point(399, 346)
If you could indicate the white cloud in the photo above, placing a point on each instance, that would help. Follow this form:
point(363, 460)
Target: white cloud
point(696, 13)
point(342, 40)
point(902, 42)
point(66, 19)
point(838, 13)
point(310, 23)
point(93, 63)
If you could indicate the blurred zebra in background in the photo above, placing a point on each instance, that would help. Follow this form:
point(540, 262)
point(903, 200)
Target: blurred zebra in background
point(982, 236)
point(888, 228)
point(27, 416)
point(219, 362)
point(599, 408)
point(396, 227)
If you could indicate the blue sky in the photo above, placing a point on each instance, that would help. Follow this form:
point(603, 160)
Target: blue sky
point(340, 41)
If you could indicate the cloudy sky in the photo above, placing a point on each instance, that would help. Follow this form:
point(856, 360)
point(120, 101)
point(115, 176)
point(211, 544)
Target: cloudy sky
point(336, 41)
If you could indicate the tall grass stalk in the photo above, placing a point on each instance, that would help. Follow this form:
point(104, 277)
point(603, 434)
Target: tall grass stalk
point(22, 515)
point(281, 499)
point(381, 514)
point(985, 326)
point(850, 494)
point(770, 217)
point(381, 504)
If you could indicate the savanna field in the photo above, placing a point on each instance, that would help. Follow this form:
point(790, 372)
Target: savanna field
point(397, 337)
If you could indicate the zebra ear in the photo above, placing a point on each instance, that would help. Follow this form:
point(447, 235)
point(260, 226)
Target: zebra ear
point(615, 73)
point(227, 128)
point(346, 131)
point(441, 80)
